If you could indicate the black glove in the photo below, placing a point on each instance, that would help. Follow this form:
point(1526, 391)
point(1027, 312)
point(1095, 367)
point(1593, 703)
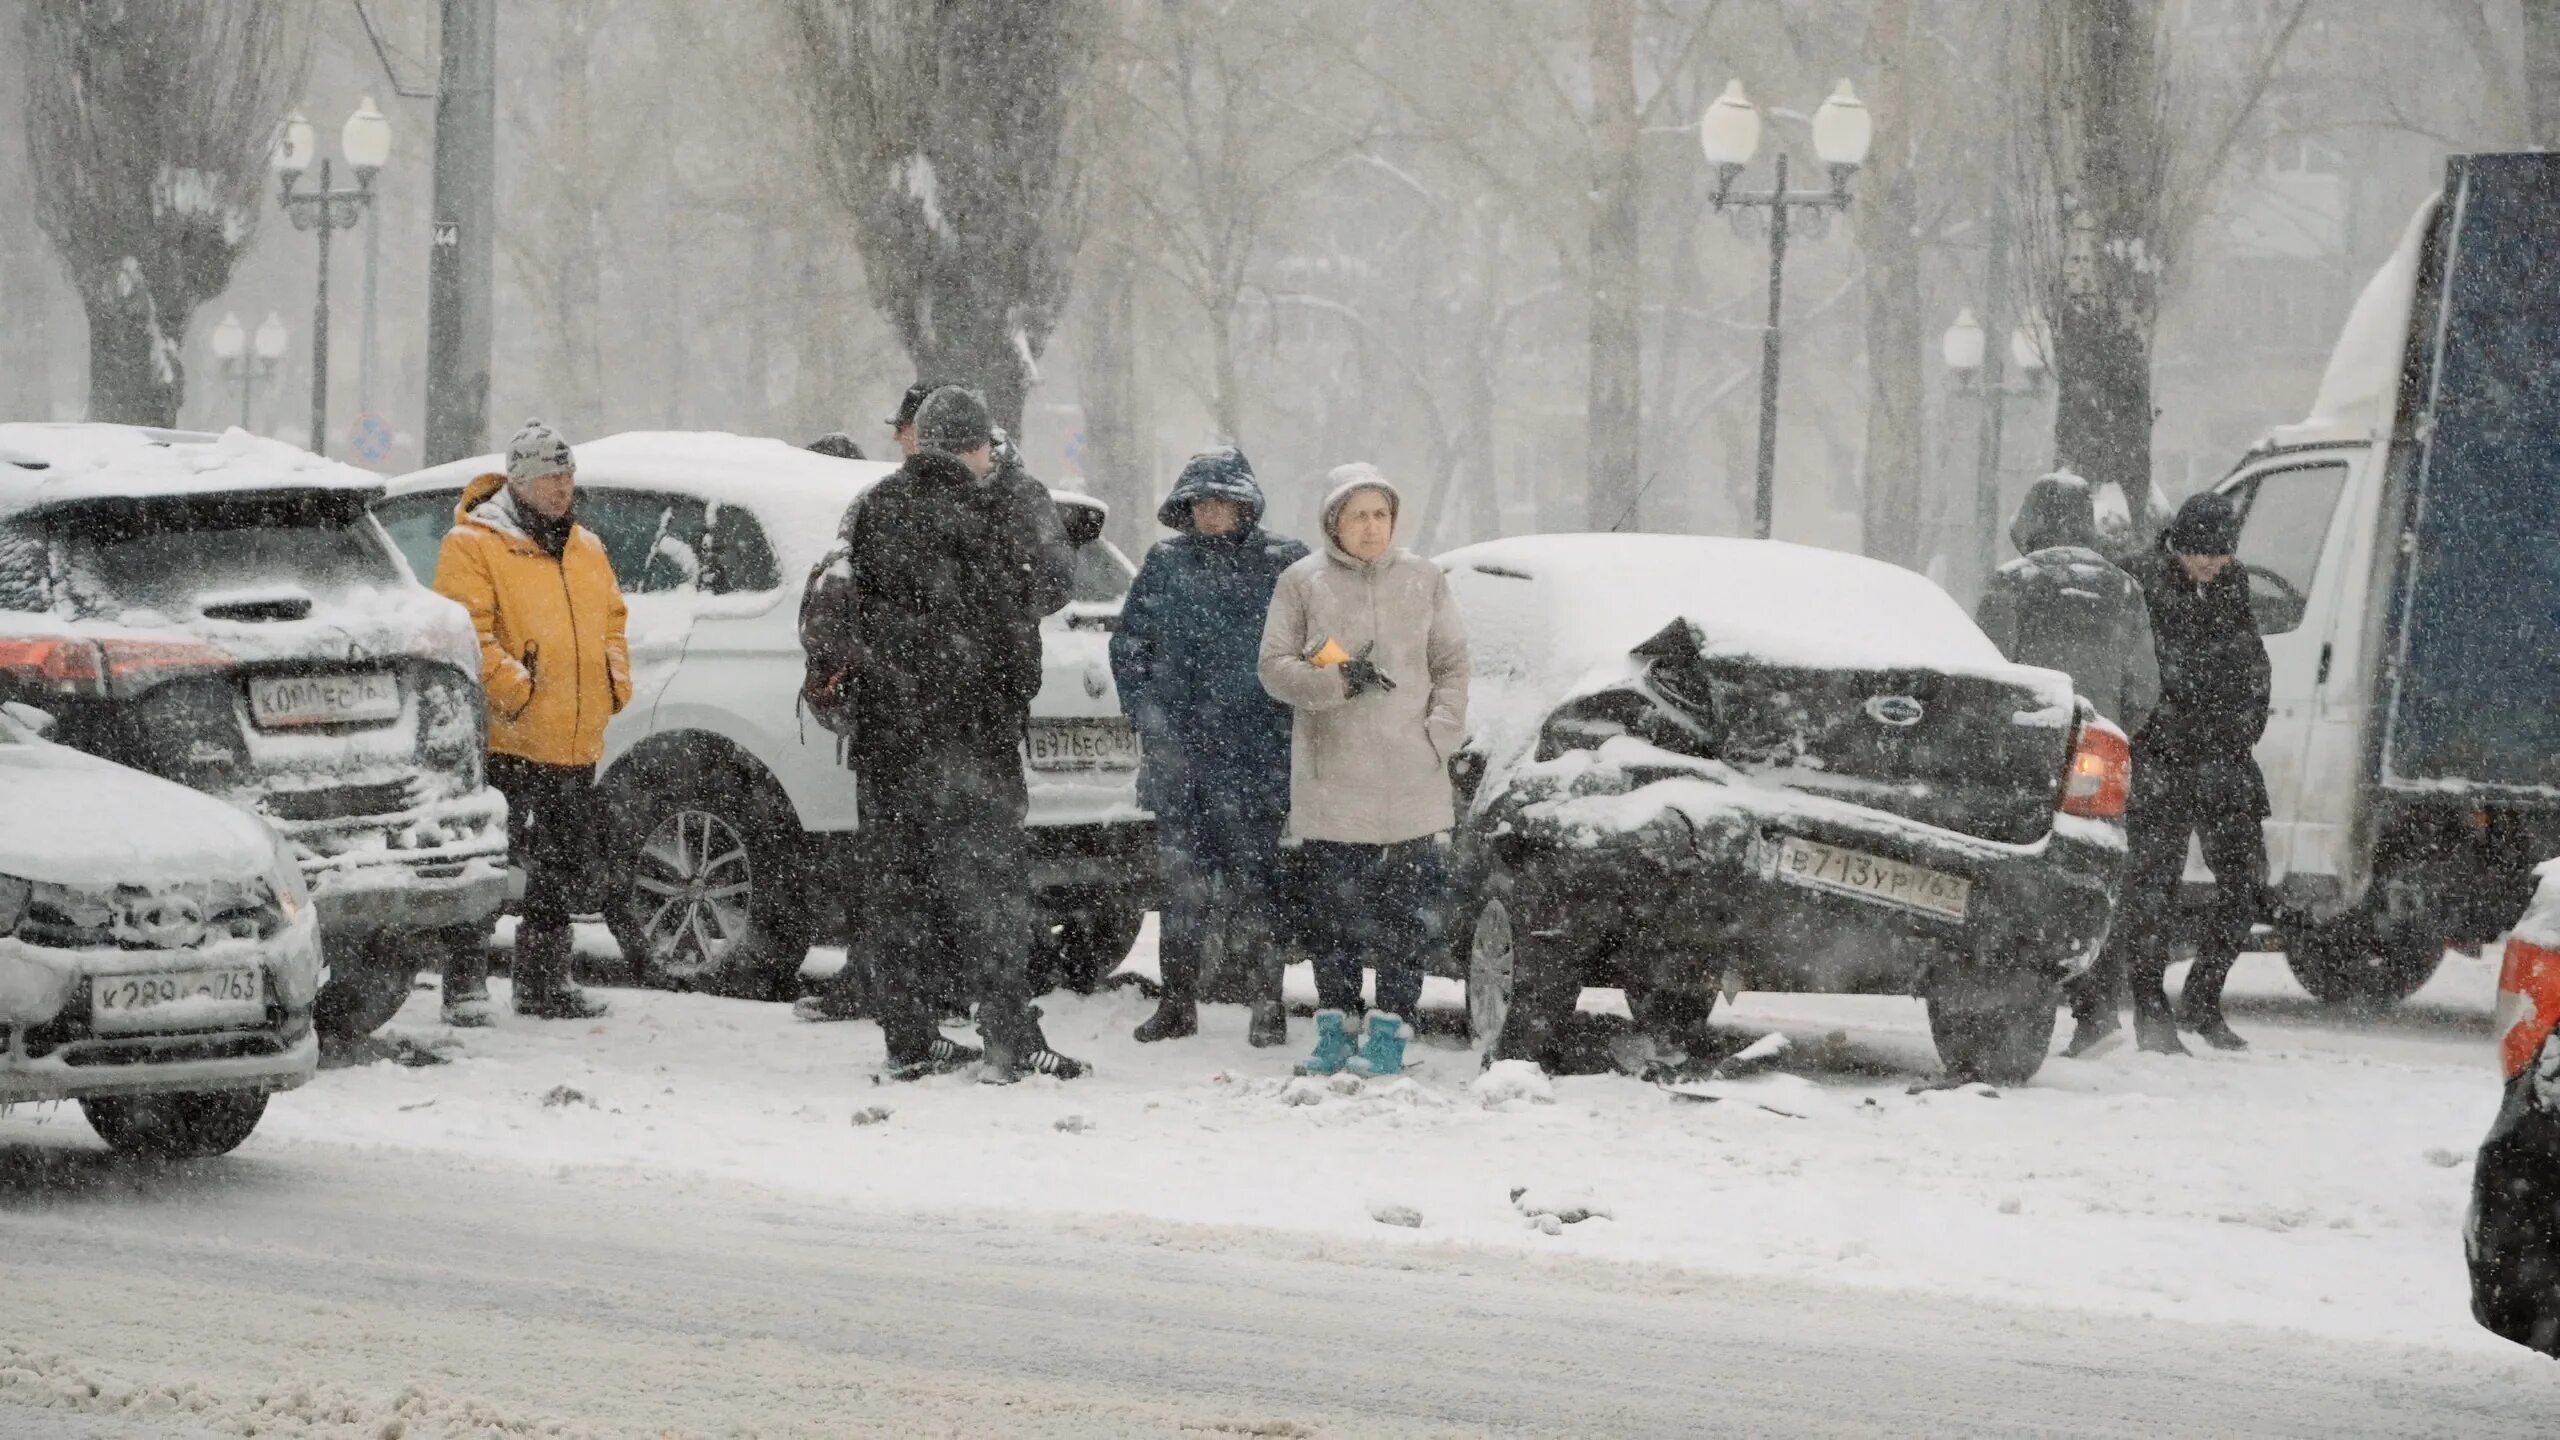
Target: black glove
point(1362, 675)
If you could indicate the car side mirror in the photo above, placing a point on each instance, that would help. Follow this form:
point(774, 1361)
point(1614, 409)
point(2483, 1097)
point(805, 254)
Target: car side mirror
point(39, 722)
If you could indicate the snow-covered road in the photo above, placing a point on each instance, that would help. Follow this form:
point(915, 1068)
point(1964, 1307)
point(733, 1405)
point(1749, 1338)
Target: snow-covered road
point(326, 1289)
point(1187, 1239)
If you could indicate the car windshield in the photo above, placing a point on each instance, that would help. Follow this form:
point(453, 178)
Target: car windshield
point(173, 555)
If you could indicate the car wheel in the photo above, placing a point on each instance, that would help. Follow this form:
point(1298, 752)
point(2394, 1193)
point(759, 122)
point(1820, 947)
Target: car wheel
point(196, 1125)
point(369, 980)
point(2345, 964)
point(705, 890)
point(1997, 1030)
point(1082, 947)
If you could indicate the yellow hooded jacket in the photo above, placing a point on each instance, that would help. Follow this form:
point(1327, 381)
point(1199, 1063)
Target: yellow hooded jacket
point(553, 654)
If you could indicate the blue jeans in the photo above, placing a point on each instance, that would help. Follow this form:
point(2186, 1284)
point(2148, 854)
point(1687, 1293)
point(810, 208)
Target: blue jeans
point(1377, 906)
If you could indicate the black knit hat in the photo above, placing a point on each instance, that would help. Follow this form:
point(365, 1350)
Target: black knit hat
point(954, 421)
point(2207, 524)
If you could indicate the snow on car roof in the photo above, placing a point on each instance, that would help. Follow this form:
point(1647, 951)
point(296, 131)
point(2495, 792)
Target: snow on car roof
point(1787, 604)
point(799, 487)
point(53, 463)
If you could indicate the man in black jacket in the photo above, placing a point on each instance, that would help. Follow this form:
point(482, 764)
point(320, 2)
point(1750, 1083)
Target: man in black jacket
point(946, 646)
point(2193, 773)
point(1052, 556)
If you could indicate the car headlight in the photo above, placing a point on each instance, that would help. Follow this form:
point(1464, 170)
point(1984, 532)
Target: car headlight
point(284, 874)
point(31, 992)
point(297, 976)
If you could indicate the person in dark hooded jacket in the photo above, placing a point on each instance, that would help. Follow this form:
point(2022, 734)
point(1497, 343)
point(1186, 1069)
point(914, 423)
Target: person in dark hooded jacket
point(1216, 773)
point(944, 657)
point(2193, 773)
point(2062, 605)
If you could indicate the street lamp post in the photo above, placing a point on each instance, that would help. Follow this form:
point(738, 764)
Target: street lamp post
point(1729, 133)
point(1977, 365)
point(366, 142)
point(247, 361)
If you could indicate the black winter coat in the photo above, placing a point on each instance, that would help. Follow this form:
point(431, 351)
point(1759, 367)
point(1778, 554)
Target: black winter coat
point(2214, 674)
point(2061, 605)
point(947, 641)
point(1049, 557)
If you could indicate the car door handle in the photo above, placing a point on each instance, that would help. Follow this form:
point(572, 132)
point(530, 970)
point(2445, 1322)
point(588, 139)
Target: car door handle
point(2322, 677)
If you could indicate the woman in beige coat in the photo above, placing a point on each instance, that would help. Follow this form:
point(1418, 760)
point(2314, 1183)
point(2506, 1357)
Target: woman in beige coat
point(1364, 644)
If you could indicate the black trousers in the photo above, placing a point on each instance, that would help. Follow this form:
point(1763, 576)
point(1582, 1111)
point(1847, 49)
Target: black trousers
point(2220, 802)
point(553, 828)
point(946, 906)
point(1222, 880)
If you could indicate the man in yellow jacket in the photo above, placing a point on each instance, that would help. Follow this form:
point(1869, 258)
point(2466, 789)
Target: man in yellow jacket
point(556, 666)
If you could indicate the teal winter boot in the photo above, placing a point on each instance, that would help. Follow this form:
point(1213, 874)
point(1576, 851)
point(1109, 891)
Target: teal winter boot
point(1333, 1046)
point(1382, 1054)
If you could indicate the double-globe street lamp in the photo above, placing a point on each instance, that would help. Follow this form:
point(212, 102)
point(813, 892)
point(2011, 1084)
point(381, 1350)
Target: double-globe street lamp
point(249, 361)
point(1730, 134)
point(366, 142)
point(1968, 351)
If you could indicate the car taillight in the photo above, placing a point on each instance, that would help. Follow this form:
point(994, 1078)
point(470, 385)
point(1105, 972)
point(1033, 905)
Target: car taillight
point(56, 664)
point(2101, 776)
point(68, 666)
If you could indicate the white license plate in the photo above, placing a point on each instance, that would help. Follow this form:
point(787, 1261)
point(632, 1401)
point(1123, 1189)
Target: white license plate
point(1817, 866)
point(285, 702)
point(178, 999)
point(1083, 745)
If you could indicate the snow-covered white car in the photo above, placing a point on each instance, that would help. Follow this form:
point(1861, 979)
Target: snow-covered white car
point(221, 612)
point(1703, 765)
point(158, 951)
point(734, 813)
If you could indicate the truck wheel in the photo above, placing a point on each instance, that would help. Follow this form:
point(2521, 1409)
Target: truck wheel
point(2346, 964)
point(369, 981)
point(1080, 948)
point(196, 1125)
point(1994, 1029)
point(705, 887)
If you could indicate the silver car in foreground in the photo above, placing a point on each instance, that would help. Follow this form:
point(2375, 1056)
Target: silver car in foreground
point(158, 951)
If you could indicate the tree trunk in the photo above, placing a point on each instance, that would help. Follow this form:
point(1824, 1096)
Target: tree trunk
point(1226, 404)
point(2103, 68)
point(1614, 453)
point(2542, 73)
point(134, 374)
point(1888, 220)
point(1107, 382)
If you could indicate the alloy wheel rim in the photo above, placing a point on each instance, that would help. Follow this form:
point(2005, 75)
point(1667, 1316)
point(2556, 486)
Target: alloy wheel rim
point(1491, 965)
point(693, 890)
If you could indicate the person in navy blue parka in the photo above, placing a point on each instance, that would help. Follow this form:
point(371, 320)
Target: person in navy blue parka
point(1216, 772)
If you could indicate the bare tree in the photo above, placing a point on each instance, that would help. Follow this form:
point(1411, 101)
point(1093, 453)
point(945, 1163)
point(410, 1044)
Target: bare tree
point(1616, 409)
point(148, 128)
point(941, 128)
point(2119, 185)
point(2542, 72)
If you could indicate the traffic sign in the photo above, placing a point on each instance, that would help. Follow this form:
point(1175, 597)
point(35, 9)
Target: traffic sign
point(369, 438)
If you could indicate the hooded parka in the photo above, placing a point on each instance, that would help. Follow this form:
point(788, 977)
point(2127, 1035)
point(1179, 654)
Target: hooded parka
point(554, 656)
point(1370, 771)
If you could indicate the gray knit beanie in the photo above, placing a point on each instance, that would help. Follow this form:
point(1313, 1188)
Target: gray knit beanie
point(537, 451)
point(954, 421)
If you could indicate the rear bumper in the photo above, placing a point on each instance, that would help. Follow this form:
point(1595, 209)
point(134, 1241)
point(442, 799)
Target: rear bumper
point(1704, 905)
point(441, 866)
point(1094, 863)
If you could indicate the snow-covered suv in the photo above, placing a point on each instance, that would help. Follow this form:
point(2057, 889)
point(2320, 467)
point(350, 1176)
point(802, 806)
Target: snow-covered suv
point(220, 612)
point(733, 810)
point(158, 952)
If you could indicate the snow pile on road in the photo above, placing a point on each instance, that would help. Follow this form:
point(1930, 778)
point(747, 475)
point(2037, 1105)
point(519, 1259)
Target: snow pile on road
point(63, 1383)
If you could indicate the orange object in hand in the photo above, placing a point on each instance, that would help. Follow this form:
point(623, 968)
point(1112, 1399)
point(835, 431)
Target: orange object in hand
point(1328, 655)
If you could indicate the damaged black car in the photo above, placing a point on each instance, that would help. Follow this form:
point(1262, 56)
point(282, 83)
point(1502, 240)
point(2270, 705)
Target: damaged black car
point(1701, 766)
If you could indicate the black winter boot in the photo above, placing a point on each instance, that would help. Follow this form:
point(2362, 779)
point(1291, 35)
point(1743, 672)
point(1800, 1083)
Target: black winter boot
point(2154, 1028)
point(544, 990)
point(1174, 1019)
point(1268, 1026)
point(466, 985)
point(2200, 1003)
